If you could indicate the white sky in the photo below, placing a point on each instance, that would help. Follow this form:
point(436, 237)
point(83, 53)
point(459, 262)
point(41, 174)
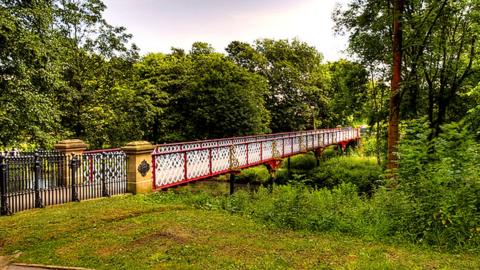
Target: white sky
point(157, 25)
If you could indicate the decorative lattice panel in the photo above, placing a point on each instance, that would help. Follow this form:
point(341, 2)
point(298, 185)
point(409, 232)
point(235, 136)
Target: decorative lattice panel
point(91, 168)
point(288, 146)
point(169, 168)
point(220, 159)
point(115, 165)
point(254, 153)
point(296, 145)
point(266, 150)
point(241, 154)
point(198, 163)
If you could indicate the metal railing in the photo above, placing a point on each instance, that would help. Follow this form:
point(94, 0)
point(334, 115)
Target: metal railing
point(178, 163)
point(35, 180)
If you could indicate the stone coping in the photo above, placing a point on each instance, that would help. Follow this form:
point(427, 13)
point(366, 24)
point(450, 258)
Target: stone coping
point(71, 145)
point(138, 147)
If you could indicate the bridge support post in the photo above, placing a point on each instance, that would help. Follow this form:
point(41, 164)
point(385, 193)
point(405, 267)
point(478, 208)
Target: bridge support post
point(232, 183)
point(318, 155)
point(233, 176)
point(343, 147)
point(289, 172)
point(139, 171)
point(272, 167)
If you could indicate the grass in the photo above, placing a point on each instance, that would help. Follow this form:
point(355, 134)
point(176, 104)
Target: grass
point(159, 231)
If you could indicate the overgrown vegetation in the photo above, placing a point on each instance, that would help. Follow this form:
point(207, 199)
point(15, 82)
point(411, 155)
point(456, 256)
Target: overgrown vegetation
point(161, 231)
point(441, 180)
point(435, 200)
point(361, 171)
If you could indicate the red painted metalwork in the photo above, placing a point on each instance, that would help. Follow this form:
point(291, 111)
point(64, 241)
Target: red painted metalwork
point(180, 163)
point(273, 164)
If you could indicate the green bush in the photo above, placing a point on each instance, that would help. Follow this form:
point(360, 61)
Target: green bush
point(254, 175)
point(340, 209)
point(442, 180)
point(360, 171)
point(330, 152)
point(302, 162)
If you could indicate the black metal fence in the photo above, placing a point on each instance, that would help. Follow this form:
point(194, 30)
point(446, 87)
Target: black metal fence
point(34, 180)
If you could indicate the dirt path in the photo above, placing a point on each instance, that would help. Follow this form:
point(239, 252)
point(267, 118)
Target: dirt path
point(5, 264)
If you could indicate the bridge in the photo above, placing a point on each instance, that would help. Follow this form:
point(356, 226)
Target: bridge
point(179, 163)
point(37, 179)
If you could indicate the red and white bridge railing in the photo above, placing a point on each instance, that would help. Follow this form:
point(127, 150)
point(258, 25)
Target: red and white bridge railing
point(178, 163)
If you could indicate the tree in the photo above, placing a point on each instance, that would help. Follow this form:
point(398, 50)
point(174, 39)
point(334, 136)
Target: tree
point(394, 117)
point(439, 55)
point(198, 95)
point(29, 74)
point(220, 100)
point(297, 81)
point(349, 92)
point(60, 61)
point(88, 43)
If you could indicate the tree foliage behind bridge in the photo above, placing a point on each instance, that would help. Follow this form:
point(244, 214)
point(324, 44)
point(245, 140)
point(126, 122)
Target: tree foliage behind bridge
point(67, 73)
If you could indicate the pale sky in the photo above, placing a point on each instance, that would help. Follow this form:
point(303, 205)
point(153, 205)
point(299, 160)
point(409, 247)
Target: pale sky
point(157, 25)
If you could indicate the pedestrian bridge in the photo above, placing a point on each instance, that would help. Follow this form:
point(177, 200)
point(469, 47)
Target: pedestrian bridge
point(37, 179)
point(180, 163)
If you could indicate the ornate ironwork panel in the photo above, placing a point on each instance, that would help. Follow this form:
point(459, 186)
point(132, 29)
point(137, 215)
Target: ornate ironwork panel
point(198, 163)
point(254, 153)
point(169, 168)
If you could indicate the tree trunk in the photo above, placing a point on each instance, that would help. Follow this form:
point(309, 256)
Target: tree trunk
point(394, 119)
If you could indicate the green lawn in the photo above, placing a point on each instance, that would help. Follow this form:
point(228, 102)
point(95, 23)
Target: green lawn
point(145, 232)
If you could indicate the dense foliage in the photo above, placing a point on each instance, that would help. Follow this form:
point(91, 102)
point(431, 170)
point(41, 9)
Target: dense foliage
point(442, 186)
point(67, 73)
point(436, 201)
point(440, 53)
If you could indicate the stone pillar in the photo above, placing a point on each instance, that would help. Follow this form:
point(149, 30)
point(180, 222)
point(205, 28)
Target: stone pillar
point(69, 148)
point(73, 146)
point(139, 166)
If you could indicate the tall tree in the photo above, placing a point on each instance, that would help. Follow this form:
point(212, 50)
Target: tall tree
point(439, 54)
point(198, 95)
point(394, 117)
point(349, 91)
point(29, 74)
point(88, 42)
point(297, 80)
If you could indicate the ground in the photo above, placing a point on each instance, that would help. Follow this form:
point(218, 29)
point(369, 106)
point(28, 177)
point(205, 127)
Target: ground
point(143, 232)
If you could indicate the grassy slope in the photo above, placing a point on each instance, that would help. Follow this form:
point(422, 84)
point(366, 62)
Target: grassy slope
point(139, 232)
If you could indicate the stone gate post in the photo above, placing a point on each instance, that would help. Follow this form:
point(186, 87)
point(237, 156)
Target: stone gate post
point(69, 148)
point(139, 166)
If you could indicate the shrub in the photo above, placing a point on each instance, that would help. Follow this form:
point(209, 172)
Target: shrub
point(254, 175)
point(302, 162)
point(360, 171)
point(340, 209)
point(442, 180)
